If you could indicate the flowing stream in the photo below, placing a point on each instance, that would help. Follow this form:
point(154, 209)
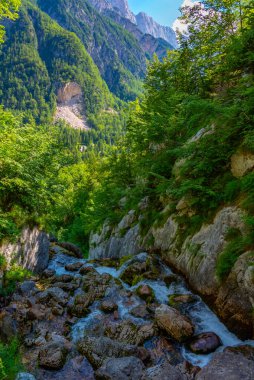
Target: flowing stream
point(204, 319)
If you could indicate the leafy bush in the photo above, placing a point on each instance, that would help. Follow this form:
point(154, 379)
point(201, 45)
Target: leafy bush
point(11, 277)
point(10, 360)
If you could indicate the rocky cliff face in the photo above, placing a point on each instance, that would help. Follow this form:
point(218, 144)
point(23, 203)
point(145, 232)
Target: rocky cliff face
point(70, 106)
point(148, 26)
point(30, 251)
point(105, 41)
point(123, 7)
point(152, 37)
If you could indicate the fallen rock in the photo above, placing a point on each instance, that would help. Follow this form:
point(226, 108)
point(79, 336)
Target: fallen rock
point(36, 313)
point(181, 299)
point(121, 368)
point(204, 343)
point(63, 278)
point(99, 349)
point(77, 368)
point(128, 332)
point(26, 288)
point(87, 269)
point(163, 371)
point(140, 311)
point(108, 306)
point(174, 323)
point(55, 294)
point(74, 266)
point(72, 248)
point(230, 364)
point(52, 356)
point(47, 273)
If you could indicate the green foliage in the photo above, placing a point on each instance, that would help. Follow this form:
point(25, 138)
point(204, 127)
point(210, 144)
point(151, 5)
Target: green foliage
point(13, 276)
point(8, 9)
point(121, 61)
point(10, 360)
point(34, 64)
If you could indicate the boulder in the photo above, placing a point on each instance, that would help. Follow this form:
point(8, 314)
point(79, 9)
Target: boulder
point(26, 288)
point(54, 294)
point(204, 343)
point(97, 350)
point(36, 313)
point(174, 323)
point(140, 311)
point(121, 368)
point(52, 356)
point(71, 248)
point(76, 368)
point(163, 371)
point(128, 332)
point(108, 306)
point(74, 266)
point(229, 364)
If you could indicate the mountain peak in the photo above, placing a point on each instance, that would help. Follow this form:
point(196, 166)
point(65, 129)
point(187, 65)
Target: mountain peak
point(123, 7)
point(148, 25)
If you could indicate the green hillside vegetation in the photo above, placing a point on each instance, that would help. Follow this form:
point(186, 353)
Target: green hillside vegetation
point(115, 51)
point(206, 85)
point(34, 63)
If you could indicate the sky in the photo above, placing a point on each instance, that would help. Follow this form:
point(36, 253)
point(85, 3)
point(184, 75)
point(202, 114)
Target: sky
point(163, 11)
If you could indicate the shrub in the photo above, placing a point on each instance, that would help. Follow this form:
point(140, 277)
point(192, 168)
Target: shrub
point(10, 360)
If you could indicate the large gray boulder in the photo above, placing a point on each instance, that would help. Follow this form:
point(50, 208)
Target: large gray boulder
point(163, 371)
point(97, 350)
point(121, 368)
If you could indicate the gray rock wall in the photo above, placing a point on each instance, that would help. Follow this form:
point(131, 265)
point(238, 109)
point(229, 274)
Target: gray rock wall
point(30, 251)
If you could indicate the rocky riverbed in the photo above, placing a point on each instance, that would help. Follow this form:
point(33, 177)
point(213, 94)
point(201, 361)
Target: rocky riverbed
point(106, 319)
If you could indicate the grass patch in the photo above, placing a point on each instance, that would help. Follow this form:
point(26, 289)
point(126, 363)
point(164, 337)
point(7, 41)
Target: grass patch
point(11, 277)
point(10, 360)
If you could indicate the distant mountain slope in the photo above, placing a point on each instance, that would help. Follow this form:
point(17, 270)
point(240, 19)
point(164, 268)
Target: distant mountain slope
point(115, 51)
point(146, 24)
point(38, 58)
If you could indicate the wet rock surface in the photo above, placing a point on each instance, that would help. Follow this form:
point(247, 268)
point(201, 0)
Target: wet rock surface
point(205, 343)
point(175, 324)
point(83, 320)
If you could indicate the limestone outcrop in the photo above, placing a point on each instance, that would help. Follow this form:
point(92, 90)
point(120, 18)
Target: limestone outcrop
point(31, 250)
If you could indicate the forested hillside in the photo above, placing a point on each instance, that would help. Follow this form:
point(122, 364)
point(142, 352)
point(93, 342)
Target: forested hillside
point(115, 51)
point(34, 64)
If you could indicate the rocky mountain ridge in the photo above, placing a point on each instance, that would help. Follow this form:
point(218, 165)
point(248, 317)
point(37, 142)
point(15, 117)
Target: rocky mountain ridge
point(145, 23)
